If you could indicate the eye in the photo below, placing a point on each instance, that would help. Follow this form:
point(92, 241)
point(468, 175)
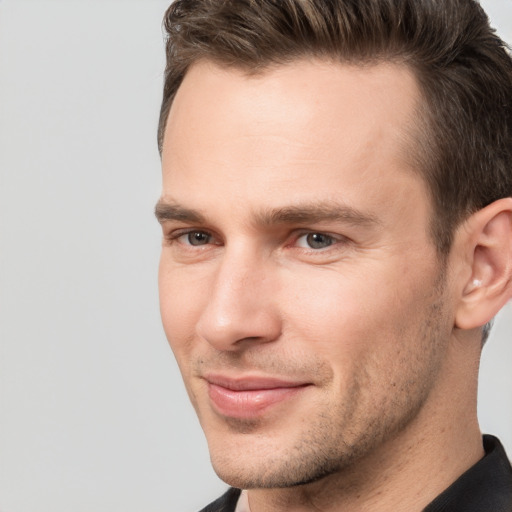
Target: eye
point(195, 238)
point(315, 241)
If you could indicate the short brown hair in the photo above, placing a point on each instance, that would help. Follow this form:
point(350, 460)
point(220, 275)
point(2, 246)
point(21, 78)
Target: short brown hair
point(464, 134)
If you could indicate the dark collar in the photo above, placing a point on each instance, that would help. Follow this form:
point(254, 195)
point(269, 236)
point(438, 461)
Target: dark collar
point(226, 503)
point(485, 487)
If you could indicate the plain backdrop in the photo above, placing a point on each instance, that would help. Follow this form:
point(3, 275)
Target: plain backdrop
point(93, 413)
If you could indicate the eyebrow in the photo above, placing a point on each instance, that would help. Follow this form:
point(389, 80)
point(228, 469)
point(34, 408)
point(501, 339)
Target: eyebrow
point(317, 212)
point(172, 211)
point(294, 214)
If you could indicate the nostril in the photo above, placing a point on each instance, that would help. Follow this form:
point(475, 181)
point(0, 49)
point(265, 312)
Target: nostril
point(239, 330)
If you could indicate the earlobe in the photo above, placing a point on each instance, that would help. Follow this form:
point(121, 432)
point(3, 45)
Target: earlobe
point(489, 254)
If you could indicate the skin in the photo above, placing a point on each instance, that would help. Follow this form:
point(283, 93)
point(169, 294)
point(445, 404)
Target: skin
point(297, 247)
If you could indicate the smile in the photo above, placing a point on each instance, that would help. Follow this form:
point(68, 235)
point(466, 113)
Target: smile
point(251, 397)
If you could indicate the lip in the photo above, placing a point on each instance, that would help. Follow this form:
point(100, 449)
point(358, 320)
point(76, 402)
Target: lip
point(249, 397)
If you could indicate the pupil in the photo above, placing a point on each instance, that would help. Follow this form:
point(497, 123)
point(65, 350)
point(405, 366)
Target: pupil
point(198, 238)
point(318, 241)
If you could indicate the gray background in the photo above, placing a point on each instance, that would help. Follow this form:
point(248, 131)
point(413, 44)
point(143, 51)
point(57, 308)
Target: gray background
point(93, 414)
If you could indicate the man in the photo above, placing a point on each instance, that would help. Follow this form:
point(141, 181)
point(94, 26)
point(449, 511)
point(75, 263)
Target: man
point(337, 222)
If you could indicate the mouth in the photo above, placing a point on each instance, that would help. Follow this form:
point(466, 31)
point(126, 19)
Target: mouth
point(250, 397)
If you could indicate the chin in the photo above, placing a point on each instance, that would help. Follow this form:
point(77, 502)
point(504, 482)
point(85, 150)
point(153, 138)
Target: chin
point(267, 466)
point(284, 474)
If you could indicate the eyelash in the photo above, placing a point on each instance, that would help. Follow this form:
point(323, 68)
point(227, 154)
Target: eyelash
point(329, 239)
point(176, 235)
point(332, 239)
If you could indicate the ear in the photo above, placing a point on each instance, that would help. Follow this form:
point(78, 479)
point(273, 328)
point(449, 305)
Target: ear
point(488, 256)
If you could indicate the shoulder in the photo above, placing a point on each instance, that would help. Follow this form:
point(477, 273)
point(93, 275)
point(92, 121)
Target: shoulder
point(226, 503)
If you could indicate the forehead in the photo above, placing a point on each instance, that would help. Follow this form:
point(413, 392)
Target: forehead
point(306, 126)
point(302, 89)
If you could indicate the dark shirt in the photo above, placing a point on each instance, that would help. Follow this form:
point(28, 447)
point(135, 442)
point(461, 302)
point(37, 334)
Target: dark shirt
point(485, 487)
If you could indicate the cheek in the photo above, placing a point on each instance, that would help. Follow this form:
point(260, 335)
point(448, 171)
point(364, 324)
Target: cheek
point(330, 303)
point(181, 300)
point(352, 320)
point(325, 320)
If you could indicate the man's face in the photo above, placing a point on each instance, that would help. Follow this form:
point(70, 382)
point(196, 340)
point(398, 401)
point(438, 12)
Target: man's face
point(300, 290)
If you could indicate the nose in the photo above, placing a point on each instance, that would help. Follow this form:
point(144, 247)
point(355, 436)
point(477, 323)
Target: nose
point(241, 308)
